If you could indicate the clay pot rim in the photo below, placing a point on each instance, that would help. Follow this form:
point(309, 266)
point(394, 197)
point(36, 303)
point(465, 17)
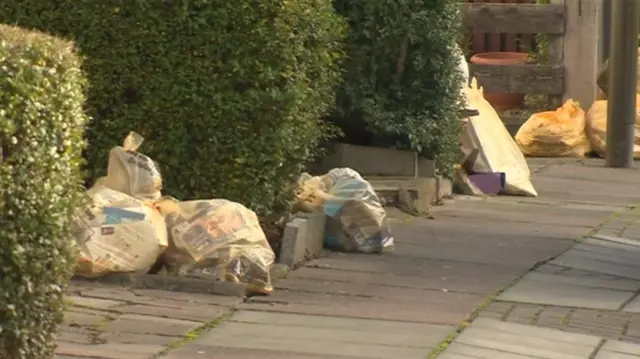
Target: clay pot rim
point(501, 58)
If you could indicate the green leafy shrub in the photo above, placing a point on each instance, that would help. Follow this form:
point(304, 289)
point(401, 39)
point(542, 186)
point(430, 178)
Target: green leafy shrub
point(41, 141)
point(401, 82)
point(228, 94)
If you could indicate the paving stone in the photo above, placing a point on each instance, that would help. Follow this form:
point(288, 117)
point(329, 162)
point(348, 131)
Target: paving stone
point(550, 269)
point(633, 306)
point(607, 259)
point(611, 355)
point(339, 323)
point(435, 307)
point(143, 324)
point(73, 335)
point(108, 350)
point(85, 317)
point(95, 303)
point(524, 313)
point(612, 347)
point(432, 274)
point(151, 296)
point(463, 351)
point(500, 338)
point(136, 338)
point(557, 290)
point(615, 239)
point(332, 335)
point(193, 351)
point(370, 350)
point(106, 292)
point(197, 313)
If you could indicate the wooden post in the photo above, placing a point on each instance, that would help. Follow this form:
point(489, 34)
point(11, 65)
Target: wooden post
point(580, 49)
point(556, 57)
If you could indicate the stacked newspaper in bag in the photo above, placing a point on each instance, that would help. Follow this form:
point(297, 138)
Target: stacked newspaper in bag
point(217, 239)
point(117, 233)
point(357, 220)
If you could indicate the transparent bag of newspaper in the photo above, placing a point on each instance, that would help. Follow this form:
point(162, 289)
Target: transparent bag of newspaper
point(131, 172)
point(357, 220)
point(219, 239)
point(117, 233)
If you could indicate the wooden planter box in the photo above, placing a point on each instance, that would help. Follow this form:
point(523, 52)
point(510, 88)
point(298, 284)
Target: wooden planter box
point(376, 161)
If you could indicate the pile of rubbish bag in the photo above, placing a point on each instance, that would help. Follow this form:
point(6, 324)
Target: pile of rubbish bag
point(127, 226)
point(492, 162)
point(357, 221)
point(570, 132)
point(596, 128)
point(559, 133)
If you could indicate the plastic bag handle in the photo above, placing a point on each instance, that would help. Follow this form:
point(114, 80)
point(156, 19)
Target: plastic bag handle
point(132, 142)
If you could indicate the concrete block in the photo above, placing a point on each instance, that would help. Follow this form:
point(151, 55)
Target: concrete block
point(375, 161)
point(292, 249)
point(445, 188)
point(426, 167)
point(415, 194)
point(303, 237)
point(314, 242)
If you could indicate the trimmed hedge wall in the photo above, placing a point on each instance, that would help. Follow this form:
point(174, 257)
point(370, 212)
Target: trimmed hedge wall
point(402, 86)
point(41, 141)
point(228, 94)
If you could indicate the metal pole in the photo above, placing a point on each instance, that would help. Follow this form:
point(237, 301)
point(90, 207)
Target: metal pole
point(623, 65)
point(605, 31)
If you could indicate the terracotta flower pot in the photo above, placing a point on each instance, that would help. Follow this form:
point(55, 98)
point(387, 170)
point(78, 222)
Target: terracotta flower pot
point(502, 101)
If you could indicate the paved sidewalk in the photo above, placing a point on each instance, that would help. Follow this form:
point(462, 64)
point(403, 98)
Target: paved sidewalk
point(444, 274)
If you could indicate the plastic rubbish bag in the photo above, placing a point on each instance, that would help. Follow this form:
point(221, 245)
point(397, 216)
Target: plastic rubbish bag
point(131, 172)
point(117, 233)
point(357, 220)
point(596, 119)
point(217, 239)
point(559, 133)
point(603, 78)
point(497, 151)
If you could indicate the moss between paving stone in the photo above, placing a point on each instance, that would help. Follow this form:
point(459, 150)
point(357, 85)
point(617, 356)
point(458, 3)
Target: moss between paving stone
point(193, 335)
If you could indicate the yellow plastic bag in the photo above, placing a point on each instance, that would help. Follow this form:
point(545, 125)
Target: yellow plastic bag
point(603, 78)
point(132, 172)
point(217, 239)
point(497, 151)
point(597, 127)
point(117, 233)
point(559, 133)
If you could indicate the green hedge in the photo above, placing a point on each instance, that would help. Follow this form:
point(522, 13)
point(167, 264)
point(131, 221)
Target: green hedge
point(401, 81)
point(228, 94)
point(41, 128)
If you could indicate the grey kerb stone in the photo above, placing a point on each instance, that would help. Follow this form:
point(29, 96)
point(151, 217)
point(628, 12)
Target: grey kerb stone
point(303, 237)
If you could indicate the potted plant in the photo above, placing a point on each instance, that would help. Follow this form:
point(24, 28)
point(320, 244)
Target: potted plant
point(502, 101)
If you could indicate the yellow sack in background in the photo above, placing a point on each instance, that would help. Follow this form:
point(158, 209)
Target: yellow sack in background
point(116, 233)
point(217, 239)
point(132, 172)
point(559, 133)
point(497, 151)
point(597, 127)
